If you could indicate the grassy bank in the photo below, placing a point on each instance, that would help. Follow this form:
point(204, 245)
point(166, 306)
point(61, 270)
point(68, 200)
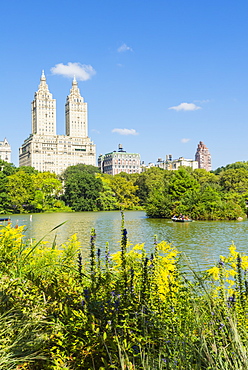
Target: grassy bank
point(129, 310)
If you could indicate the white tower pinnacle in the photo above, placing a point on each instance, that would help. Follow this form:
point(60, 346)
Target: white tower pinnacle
point(43, 110)
point(76, 116)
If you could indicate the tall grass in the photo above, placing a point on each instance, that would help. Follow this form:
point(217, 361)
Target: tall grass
point(129, 310)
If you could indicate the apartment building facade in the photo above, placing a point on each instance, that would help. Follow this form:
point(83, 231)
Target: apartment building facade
point(119, 161)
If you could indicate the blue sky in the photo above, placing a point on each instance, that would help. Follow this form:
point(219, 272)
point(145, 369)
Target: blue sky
point(158, 76)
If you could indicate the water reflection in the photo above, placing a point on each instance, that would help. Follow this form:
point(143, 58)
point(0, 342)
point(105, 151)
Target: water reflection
point(202, 242)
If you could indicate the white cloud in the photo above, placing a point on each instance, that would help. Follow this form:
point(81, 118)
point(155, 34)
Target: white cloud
point(96, 131)
point(125, 131)
point(184, 140)
point(124, 48)
point(82, 72)
point(202, 101)
point(185, 106)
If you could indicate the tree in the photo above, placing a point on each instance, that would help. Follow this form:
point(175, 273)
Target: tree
point(107, 200)
point(200, 194)
point(47, 191)
point(82, 191)
point(32, 191)
point(125, 192)
point(28, 169)
point(234, 180)
point(21, 191)
point(147, 181)
point(208, 203)
point(205, 177)
point(233, 166)
point(159, 205)
point(71, 170)
point(180, 183)
point(6, 169)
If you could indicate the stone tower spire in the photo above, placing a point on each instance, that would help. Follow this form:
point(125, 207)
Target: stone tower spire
point(43, 110)
point(76, 114)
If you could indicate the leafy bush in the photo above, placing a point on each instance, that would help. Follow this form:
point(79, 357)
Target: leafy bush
point(129, 310)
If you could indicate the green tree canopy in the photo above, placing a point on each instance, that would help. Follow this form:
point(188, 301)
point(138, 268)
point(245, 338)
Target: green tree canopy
point(147, 181)
point(205, 177)
point(125, 192)
point(28, 169)
point(71, 170)
point(234, 166)
point(33, 191)
point(21, 191)
point(47, 192)
point(82, 191)
point(181, 182)
point(6, 169)
point(107, 200)
point(234, 180)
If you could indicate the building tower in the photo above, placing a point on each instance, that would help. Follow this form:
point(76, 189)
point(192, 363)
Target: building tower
point(76, 113)
point(43, 110)
point(203, 157)
point(5, 151)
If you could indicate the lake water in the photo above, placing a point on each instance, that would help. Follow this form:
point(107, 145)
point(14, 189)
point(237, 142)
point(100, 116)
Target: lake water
point(201, 241)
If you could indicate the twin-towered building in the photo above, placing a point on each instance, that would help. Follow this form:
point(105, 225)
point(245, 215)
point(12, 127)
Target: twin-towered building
point(44, 149)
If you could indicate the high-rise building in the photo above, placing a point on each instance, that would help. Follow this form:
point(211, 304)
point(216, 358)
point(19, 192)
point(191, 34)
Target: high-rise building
point(203, 157)
point(121, 161)
point(46, 151)
point(5, 151)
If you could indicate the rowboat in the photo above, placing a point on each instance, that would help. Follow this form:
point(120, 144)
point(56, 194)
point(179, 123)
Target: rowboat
point(4, 221)
point(178, 219)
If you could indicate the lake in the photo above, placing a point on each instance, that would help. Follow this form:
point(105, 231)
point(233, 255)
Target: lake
point(201, 241)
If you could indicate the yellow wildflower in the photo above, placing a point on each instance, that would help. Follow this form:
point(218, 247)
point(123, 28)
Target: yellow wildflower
point(230, 282)
point(215, 272)
point(244, 262)
point(232, 272)
point(233, 252)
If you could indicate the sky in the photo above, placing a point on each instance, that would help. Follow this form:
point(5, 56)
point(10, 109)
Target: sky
point(158, 75)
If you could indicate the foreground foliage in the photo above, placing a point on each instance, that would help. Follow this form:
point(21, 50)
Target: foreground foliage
point(129, 310)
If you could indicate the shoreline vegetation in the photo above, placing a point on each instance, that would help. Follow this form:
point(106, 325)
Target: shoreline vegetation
point(126, 311)
point(218, 195)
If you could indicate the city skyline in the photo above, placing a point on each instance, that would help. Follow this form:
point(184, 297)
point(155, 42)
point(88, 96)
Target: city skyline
point(158, 76)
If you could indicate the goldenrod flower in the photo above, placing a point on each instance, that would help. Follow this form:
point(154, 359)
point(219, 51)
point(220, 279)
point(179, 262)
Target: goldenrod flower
point(215, 272)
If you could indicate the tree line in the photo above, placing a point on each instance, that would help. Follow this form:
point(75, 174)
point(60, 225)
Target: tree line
point(217, 195)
